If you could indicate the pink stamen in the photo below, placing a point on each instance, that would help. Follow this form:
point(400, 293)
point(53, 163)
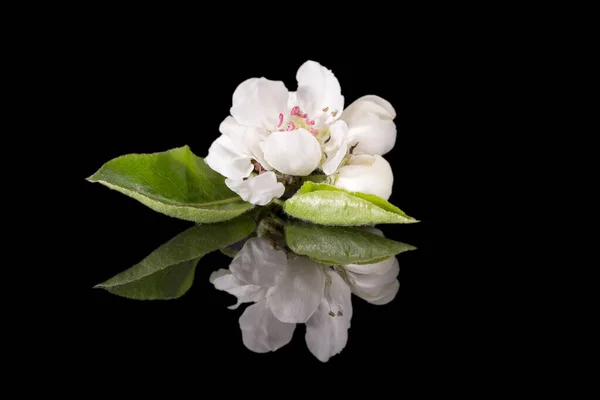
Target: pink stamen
point(281, 130)
point(302, 115)
point(314, 131)
point(280, 120)
point(295, 110)
point(310, 121)
point(257, 166)
point(262, 172)
point(291, 126)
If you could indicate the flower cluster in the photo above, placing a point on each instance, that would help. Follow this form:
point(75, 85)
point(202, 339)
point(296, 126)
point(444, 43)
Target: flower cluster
point(275, 138)
point(288, 289)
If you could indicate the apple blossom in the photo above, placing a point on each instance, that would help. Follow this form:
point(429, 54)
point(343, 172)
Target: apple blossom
point(273, 134)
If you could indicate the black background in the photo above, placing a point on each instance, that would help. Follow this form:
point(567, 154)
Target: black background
point(148, 93)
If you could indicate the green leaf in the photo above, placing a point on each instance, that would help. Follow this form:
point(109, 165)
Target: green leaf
point(168, 272)
point(176, 183)
point(327, 205)
point(341, 245)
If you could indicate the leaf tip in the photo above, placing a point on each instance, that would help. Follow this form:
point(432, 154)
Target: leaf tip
point(92, 178)
point(101, 286)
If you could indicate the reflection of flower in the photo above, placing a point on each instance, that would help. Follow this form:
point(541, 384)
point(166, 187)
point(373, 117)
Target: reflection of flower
point(273, 133)
point(298, 290)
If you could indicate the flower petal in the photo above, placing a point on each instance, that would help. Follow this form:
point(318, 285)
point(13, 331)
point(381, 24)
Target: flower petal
point(373, 230)
point(339, 296)
point(292, 100)
point(259, 189)
point(258, 102)
point(298, 292)
point(336, 148)
point(247, 294)
point(228, 159)
point(245, 139)
point(258, 263)
point(387, 294)
point(261, 331)
point(369, 104)
point(218, 274)
point(232, 129)
point(224, 280)
point(379, 268)
point(373, 284)
point(318, 88)
point(370, 125)
point(295, 152)
point(327, 335)
point(366, 174)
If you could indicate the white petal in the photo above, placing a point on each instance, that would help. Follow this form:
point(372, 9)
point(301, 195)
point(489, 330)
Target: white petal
point(373, 284)
point(338, 294)
point(252, 143)
point(318, 88)
point(387, 294)
point(261, 331)
point(366, 174)
point(259, 189)
point(369, 104)
point(258, 263)
point(217, 274)
point(379, 268)
point(247, 294)
point(370, 124)
point(295, 152)
point(292, 100)
point(327, 336)
point(336, 148)
point(258, 102)
point(228, 159)
point(224, 280)
point(298, 292)
point(373, 230)
point(372, 136)
point(232, 129)
point(246, 139)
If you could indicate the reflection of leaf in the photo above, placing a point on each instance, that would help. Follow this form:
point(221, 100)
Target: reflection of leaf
point(229, 252)
point(341, 245)
point(168, 272)
point(176, 183)
point(327, 205)
point(169, 283)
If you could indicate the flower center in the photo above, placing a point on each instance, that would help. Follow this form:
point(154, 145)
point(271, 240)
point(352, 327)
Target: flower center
point(298, 119)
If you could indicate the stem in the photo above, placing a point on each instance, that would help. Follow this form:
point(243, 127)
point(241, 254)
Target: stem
point(277, 219)
point(278, 201)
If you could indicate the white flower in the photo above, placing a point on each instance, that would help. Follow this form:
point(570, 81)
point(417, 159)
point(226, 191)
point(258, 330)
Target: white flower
point(273, 132)
point(298, 290)
point(367, 174)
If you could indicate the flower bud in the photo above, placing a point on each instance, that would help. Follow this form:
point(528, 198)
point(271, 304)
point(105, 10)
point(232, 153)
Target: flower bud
point(366, 174)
